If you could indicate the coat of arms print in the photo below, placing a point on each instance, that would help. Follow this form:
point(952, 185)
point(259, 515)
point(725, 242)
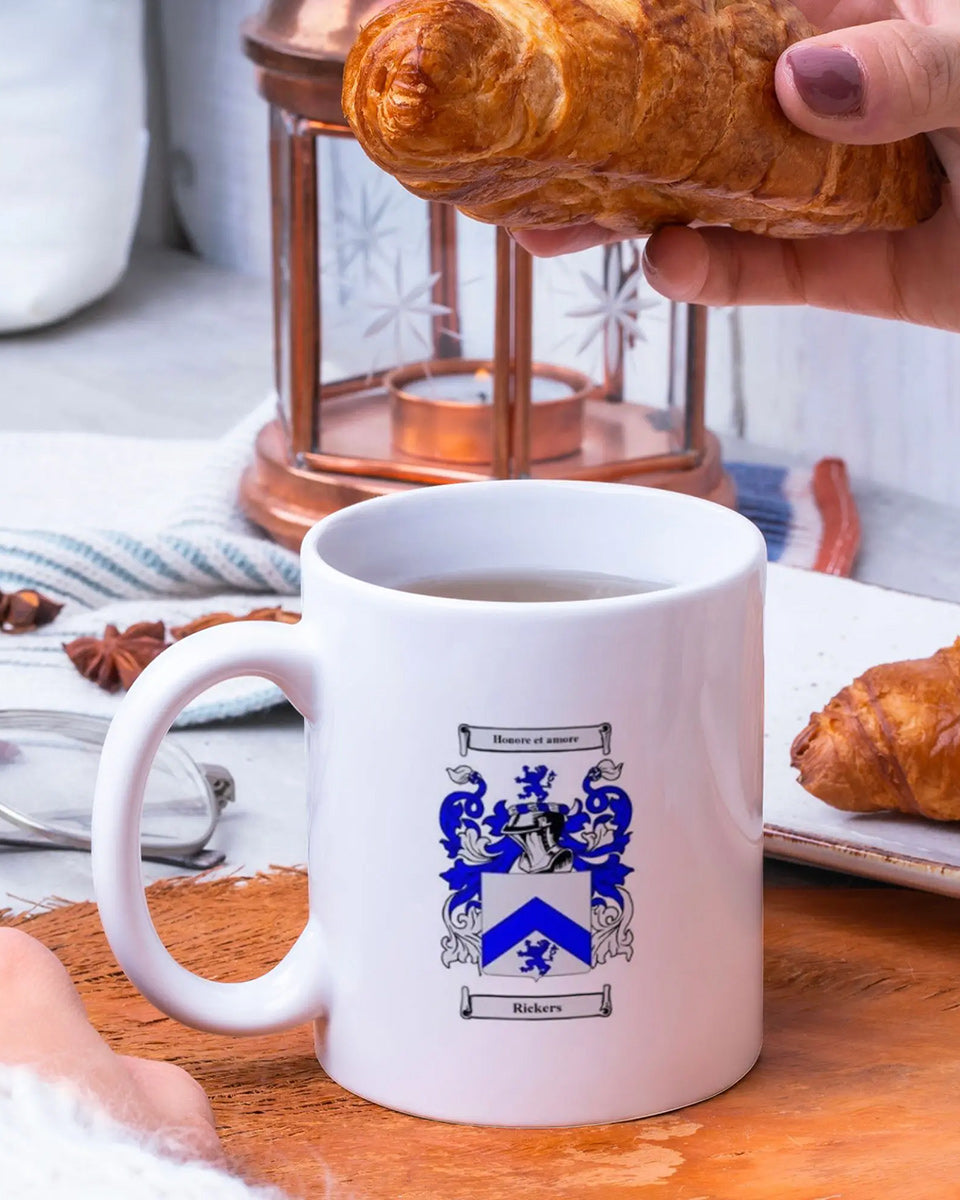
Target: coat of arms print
point(536, 882)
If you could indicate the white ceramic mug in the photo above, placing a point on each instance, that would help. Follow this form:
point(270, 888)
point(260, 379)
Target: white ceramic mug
point(535, 828)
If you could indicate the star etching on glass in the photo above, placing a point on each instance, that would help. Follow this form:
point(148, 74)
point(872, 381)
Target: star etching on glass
point(617, 304)
point(403, 310)
point(362, 235)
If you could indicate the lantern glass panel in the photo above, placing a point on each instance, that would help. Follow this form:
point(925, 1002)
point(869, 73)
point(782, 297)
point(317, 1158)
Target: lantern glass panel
point(282, 127)
point(376, 285)
point(595, 313)
point(476, 265)
point(398, 291)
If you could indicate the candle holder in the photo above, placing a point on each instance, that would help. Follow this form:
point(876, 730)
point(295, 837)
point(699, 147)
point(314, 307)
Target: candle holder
point(443, 411)
point(387, 306)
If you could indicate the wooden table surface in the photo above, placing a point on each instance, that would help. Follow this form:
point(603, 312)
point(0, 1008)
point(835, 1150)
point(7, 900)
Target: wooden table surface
point(856, 1095)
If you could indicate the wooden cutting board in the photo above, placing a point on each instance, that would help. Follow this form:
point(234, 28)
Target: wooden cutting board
point(856, 1095)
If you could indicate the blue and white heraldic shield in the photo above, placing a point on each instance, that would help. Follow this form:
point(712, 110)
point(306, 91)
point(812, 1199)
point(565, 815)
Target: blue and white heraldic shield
point(535, 829)
point(535, 925)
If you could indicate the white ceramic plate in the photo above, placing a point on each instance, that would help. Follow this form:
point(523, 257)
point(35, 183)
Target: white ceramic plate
point(821, 632)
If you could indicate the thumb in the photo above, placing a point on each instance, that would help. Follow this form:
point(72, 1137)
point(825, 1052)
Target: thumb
point(873, 83)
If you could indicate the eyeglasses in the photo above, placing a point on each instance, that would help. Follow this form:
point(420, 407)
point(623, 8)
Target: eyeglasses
point(48, 766)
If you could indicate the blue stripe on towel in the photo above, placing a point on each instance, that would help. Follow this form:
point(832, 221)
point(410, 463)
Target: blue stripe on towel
point(242, 563)
point(41, 560)
point(191, 553)
point(87, 551)
point(287, 569)
point(760, 498)
point(12, 581)
point(145, 555)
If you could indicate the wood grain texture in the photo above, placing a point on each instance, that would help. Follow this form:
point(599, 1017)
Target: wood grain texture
point(856, 1095)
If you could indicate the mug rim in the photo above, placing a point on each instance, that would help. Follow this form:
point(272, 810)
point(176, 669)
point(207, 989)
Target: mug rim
point(742, 564)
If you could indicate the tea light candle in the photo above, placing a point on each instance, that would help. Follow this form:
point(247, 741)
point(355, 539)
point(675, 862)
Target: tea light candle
point(443, 410)
point(465, 388)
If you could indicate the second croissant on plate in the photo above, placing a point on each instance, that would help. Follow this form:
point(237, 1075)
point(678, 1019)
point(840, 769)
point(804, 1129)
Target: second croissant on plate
point(628, 113)
point(889, 741)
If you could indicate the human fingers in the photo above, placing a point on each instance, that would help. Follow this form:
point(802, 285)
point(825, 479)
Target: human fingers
point(44, 1026)
point(181, 1111)
point(879, 274)
point(873, 83)
point(42, 1018)
point(837, 14)
point(549, 243)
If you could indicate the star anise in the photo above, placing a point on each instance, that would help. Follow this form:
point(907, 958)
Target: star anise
point(282, 615)
point(116, 659)
point(26, 610)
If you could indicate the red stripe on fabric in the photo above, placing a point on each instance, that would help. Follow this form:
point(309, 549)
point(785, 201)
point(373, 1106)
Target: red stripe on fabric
point(841, 521)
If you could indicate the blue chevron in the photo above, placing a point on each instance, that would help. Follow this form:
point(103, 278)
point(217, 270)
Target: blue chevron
point(536, 916)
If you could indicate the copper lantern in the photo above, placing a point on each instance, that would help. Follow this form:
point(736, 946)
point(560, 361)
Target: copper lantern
point(414, 346)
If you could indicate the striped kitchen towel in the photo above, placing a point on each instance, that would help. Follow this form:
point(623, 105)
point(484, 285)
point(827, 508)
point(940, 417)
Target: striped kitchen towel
point(808, 517)
point(123, 530)
point(92, 519)
point(128, 529)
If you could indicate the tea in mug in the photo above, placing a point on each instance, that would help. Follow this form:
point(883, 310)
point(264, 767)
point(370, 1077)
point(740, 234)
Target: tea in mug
point(531, 586)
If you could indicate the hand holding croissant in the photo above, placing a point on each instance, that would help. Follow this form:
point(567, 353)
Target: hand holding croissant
point(879, 81)
point(634, 114)
point(582, 182)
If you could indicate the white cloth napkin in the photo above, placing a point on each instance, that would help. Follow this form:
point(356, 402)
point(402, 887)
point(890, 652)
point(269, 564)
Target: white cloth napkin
point(124, 530)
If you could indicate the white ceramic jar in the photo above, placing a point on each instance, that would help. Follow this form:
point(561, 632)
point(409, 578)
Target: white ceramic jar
point(72, 150)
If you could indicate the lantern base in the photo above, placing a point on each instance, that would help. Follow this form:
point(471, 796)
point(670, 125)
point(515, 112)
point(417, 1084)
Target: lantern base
point(285, 500)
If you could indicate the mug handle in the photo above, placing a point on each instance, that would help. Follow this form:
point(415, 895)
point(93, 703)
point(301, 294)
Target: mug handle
point(296, 989)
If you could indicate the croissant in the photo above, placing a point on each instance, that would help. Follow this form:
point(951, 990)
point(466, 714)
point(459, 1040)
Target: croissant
point(890, 741)
point(628, 113)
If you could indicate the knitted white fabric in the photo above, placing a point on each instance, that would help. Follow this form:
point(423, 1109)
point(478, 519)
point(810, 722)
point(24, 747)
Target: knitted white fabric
point(58, 1145)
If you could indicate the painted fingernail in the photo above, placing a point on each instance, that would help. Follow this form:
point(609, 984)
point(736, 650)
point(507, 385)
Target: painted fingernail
point(829, 80)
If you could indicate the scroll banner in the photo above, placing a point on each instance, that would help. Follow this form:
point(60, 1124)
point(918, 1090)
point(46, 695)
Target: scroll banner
point(522, 741)
point(475, 1006)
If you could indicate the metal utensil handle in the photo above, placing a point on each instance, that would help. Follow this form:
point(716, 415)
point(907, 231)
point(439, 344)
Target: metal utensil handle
point(295, 990)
